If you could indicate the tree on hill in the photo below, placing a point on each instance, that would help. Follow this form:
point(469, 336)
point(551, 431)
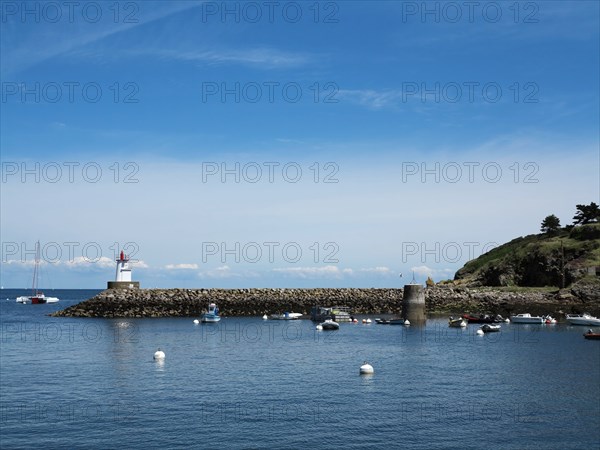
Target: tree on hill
point(550, 224)
point(586, 214)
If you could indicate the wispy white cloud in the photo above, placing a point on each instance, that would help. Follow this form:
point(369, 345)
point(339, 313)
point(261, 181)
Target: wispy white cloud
point(333, 272)
point(181, 266)
point(25, 45)
point(311, 272)
point(226, 272)
point(381, 270)
point(424, 271)
point(372, 99)
point(81, 262)
point(263, 57)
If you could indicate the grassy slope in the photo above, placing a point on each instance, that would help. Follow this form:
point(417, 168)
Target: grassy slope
point(538, 252)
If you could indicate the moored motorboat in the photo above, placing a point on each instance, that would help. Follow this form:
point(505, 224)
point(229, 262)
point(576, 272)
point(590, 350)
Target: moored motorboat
point(337, 313)
point(489, 328)
point(329, 324)
point(549, 320)
point(382, 321)
point(526, 318)
point(212, 315)
point(583, 319)
point(457, 323)
point(591, 335)
point(286, 316)
point(483, 318)
point(399, 321)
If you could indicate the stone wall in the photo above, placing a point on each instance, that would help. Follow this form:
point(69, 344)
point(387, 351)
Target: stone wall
point(256, 302)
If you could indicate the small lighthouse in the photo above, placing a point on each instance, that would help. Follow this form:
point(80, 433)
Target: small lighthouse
point(123, 275)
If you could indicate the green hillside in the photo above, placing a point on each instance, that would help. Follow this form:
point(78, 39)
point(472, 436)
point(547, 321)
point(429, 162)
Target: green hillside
point(538, 260)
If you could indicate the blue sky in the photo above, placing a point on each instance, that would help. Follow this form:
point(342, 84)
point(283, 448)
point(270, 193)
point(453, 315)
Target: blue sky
point(362, 141)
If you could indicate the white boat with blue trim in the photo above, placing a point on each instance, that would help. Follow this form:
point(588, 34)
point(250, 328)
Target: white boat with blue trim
point(212, 315)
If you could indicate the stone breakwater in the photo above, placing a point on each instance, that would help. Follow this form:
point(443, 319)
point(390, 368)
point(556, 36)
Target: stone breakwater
point(256, 302)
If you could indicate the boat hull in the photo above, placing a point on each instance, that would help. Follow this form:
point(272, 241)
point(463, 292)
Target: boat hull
point(583, 320)
point(397, 321)
point(478, 319)
point(457, 323)
point(592, 336)
point(527, 319)
point(37, 299)
point(330, 325)
point(285, 316)
point(209, 318)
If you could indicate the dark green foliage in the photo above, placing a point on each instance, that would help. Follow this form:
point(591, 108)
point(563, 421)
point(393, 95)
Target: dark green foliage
point(550, 224)
point(587, 214)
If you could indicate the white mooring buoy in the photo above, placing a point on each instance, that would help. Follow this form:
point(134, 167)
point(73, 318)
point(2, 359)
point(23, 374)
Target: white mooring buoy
point(319, 327)
point(366, 368)
point(159, 354)
point(407, 322)
point(265, 317)
point(196, 321)
point(480, 332)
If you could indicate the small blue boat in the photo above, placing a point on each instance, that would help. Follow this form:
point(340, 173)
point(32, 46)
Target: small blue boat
point(212, 315)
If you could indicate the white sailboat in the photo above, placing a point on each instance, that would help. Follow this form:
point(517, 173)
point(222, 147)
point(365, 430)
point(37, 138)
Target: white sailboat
point(36, 297)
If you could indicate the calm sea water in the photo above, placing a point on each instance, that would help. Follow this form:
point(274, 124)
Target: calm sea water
point(249, 383)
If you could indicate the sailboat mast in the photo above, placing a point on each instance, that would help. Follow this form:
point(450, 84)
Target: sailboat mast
point(35, 269)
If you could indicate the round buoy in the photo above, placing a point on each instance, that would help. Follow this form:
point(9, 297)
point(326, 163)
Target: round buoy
point(319, 327)
point(355, 321)
point(159, 354)
point(368, 320)
point(480, 332)
point(364, 321)
point(265, 317)
point(196, 321)
point(407, 322)
point(366, 368)
point(507, 320)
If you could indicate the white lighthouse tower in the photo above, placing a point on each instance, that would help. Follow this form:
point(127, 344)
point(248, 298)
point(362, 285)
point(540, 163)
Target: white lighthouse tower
point(123, 275)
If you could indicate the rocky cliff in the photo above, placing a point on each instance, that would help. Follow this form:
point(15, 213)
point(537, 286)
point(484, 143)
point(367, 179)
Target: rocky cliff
point(558, 259)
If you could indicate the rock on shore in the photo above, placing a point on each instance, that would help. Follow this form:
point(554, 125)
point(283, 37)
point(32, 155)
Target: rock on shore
point(256, 302)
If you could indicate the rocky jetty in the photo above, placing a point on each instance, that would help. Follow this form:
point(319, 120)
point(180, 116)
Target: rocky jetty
point(114, 303)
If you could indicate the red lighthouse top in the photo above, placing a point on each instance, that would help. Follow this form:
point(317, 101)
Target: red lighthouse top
point(122, 258)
